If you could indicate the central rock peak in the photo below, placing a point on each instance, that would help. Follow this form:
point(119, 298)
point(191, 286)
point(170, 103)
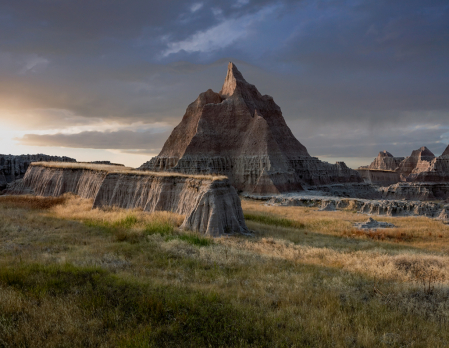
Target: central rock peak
point(243, 135)
point(233, 78)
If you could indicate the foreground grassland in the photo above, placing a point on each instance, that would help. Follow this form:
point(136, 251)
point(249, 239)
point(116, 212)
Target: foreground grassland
point(75, 277)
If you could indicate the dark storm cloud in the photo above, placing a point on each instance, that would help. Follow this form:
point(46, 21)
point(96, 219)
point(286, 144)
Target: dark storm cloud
point(371, 65)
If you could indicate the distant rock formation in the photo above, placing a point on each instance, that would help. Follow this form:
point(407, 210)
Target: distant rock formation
point(423, 191)
point(14, 167)
point(243, 135)
point(420, 167)
point(418, 161)
point(210, 204)
point(385, 161)
point(437, 170)
point(379, 177)
point(366, 206)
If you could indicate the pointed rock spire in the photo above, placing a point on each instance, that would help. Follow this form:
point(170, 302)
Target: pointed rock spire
point(446, 152)
point(246, 138)
point(233, 78)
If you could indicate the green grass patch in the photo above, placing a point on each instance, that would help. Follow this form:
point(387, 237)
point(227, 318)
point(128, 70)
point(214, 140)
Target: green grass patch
point(162, 228)
point(126, 223)
point(274, 221)
point(196, 239)
point(108, 311)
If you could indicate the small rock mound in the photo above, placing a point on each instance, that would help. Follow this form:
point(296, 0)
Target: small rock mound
point(328, 205)
point(373, 225)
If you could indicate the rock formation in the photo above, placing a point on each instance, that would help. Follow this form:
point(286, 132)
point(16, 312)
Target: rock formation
point(385, 161)
point(373, 225)
point(366, 206)
point(243, 135)
point(420, 167)
point(424, 191)
point(379, 177)
point(211, 205)
point(418, 161)
point(14, 167)
point(436, 171)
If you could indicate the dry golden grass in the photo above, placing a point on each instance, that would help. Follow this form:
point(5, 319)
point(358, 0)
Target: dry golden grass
point(421, 232)
point(318, 283)
point(32, 202)
point(76, 208)
point(124, 170)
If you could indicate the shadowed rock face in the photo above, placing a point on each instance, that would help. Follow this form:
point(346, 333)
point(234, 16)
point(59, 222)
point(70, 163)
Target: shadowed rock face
point(243, 135)
point(210, 206)
point(14, 167)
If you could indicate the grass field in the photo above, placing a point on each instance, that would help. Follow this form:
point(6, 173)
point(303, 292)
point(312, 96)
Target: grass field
point(75, 277)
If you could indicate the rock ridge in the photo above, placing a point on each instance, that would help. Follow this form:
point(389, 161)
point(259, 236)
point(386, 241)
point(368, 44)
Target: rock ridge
point(364, 206)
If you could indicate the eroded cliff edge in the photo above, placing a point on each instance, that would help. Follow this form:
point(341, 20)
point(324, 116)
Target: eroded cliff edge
point(14, 167)
point(210, 204)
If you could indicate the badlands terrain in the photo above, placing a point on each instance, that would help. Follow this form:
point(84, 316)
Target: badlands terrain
point(233, 236)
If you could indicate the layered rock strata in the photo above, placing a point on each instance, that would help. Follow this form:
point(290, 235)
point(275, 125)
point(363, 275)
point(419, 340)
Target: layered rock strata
point(14, 167)
point(373, 225)
point(379, 177)
point(424, 191)
point(418, 161)
point(211, 206)
point(385, 161)
point(243, 135)
point(436, 171)
point(364, 206)
point(420, 167)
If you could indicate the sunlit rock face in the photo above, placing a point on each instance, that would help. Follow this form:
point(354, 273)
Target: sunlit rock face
point(385, 161)
point(242, 134)
point(418, 161)
point(14, 167)
point(420, 167)
point(437, 170)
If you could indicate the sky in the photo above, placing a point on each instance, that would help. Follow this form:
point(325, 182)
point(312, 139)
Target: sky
point(109, 80)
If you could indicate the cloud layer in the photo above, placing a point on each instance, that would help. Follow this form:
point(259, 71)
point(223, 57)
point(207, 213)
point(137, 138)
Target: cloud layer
point(352, 77)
